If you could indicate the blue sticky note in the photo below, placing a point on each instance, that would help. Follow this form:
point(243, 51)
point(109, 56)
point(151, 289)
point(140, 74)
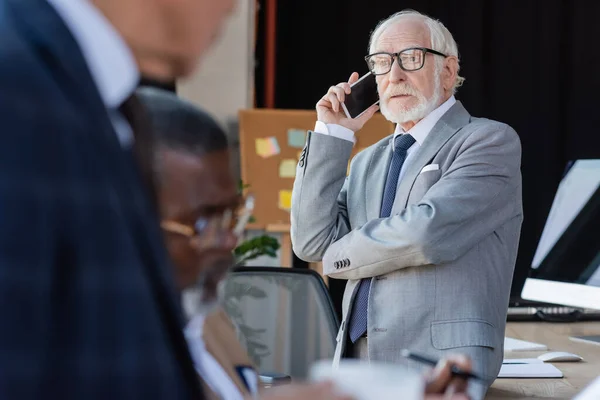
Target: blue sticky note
point(296, 138)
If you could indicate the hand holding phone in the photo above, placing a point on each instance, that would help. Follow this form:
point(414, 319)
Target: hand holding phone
point(330, 109)
point(363, 94)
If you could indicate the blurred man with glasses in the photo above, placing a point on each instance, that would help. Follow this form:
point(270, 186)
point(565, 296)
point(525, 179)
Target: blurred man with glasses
point(202, 216)
point(426, 225)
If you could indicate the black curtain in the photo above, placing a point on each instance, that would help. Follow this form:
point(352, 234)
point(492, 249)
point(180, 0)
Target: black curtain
point(531, 64)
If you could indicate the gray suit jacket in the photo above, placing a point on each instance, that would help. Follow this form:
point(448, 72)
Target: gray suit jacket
point(442, 264)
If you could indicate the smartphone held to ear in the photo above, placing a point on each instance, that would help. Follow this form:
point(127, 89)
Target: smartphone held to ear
point(363, 95)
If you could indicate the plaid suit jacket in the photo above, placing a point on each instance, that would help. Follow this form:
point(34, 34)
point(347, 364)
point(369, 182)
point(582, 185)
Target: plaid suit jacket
point(88, 307)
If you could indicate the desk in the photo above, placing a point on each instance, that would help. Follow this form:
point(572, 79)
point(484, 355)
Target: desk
point(556, 336)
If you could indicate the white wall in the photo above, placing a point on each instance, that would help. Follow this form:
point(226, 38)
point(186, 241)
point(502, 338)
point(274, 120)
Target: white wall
point(223, 83)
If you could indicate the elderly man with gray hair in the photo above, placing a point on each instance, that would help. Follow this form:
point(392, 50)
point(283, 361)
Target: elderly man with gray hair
point(426, 226)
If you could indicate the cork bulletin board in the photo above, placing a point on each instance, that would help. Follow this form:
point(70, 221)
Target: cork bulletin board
point(270, 145)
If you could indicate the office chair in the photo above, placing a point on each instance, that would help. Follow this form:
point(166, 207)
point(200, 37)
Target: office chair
point(284, 317)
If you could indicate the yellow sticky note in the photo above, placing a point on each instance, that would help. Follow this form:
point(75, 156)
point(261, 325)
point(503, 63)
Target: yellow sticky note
point(287, 168)
point(285, 199)
point(262, 147)
point(266, 147)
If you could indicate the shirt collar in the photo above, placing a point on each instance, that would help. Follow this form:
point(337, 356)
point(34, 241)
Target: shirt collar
point(111, 62)
point(424, 126)
point(195, 327)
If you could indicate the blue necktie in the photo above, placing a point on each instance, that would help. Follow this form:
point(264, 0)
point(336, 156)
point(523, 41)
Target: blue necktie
point(358, 317)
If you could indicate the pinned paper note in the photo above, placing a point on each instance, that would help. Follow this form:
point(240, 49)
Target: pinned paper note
point(285, 199)
point(267, 147)
point(296, 138)
point(287, 168)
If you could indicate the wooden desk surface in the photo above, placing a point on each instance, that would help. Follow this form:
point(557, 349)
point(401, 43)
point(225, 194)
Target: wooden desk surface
point(556, 336)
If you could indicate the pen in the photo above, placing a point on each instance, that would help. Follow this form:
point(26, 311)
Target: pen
point(456, 371)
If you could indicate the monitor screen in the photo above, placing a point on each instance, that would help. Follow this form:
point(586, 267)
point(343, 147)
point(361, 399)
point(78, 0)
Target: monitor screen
point(566, 265)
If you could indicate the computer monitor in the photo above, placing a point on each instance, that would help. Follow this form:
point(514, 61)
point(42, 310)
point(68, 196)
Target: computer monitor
point(566, 265)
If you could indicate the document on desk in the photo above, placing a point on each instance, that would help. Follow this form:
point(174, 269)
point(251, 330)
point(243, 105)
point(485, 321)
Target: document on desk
point(522, 361)
point(591, 392)
point(532, 370)
point(511, 344)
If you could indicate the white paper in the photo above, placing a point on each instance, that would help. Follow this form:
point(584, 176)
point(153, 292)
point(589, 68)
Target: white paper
point(371, 381)
point(535, 370)
point(511, 344)
point(591, 392)
point(522, 361)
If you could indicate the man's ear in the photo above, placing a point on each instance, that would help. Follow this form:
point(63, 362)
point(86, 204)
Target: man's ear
point(450, 72)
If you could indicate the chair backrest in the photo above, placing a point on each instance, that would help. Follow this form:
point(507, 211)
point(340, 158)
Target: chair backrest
point(284, 316)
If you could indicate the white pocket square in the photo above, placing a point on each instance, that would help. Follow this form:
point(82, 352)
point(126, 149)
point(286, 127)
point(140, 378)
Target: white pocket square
point(430, 167)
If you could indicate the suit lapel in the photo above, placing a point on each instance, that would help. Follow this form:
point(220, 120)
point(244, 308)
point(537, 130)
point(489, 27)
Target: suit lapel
point(375, 177)
point(450, 123)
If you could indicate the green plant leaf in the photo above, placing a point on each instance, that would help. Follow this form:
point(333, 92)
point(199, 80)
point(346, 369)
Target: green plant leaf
point(242, 186)
point(256, 247)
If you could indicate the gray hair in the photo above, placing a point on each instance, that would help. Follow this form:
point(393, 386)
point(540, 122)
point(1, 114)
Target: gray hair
point(441, 38)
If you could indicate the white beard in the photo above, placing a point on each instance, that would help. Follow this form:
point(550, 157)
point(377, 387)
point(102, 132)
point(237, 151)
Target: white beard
point(416, 113)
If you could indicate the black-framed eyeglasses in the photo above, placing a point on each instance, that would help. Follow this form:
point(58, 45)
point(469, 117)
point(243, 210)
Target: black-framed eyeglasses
point(412, 59)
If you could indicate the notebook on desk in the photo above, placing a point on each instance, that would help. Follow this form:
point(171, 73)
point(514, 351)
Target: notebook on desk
point(529, 370)
point(511, 344)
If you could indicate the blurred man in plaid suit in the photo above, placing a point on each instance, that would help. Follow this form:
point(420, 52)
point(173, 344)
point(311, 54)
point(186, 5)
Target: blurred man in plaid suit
point(88, 306)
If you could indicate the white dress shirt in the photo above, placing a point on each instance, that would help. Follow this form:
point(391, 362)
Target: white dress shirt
point(207, 367)
point(419, 131)
point(109, 59)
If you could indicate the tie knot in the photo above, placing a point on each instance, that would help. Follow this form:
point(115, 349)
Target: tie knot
point(403, 142)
